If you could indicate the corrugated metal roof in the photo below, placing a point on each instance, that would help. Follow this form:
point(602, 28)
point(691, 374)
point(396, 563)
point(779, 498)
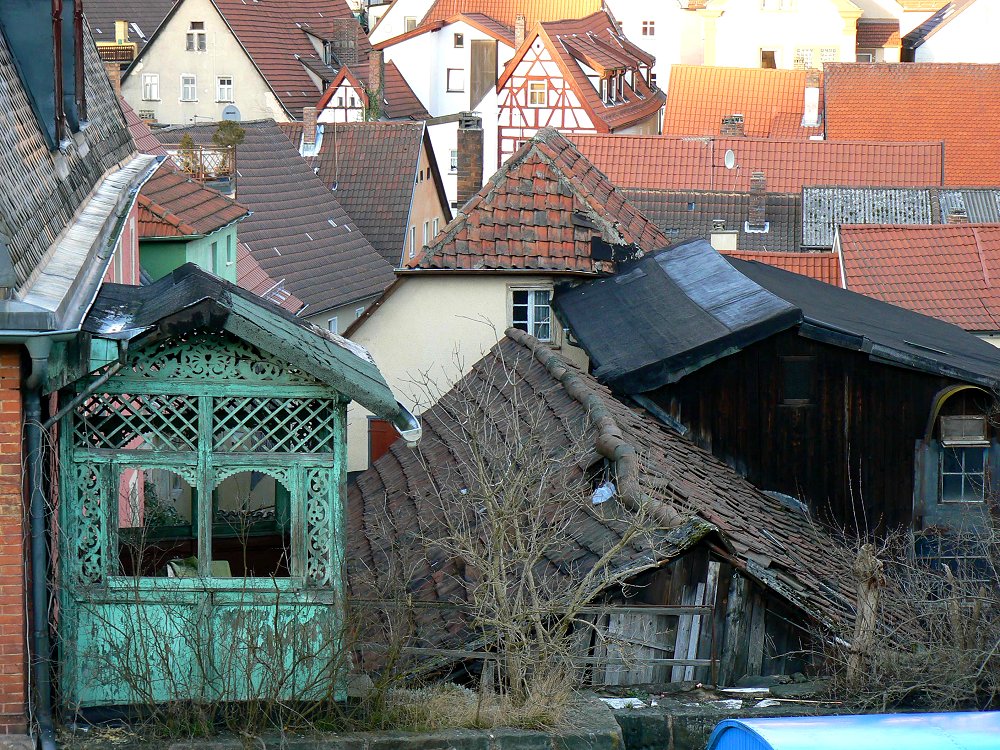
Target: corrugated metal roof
point(981, 206)
point(826, 208)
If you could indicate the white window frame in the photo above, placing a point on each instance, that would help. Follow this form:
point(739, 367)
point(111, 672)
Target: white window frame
point(435, 227)
point(459, 40)
point(193, 86)
point(358, 312)
point(455, 80)
point(332, 325)
point(533, 90)
point(963, 441)
point(649, 28)
point(427, 232)
point(151, 87)
point(828, 54)
point(409, 23)
point(870, 57)
point(453, 164)
point(196, 39)
point(413, 241)
point(531, 320)
point(220, 89)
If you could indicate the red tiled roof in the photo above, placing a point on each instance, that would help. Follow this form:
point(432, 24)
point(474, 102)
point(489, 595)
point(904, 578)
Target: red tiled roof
point(942, 270)
point(252, 277)
point(172, 205)
point(145, 141)
point(594, 41)
point(273, 33)
point(819, 266)
point(484, 23)
point(399, 101)
point(507, 11)
point(540, 211)
point(677, 163)
point(878, 33)
point(952, 102)
point(771, 101)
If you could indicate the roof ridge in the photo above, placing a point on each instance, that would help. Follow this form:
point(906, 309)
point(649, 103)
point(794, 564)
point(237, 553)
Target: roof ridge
point(609, 442)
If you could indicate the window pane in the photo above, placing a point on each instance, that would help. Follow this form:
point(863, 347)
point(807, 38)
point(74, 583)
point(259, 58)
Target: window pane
point(973, 460)
point(520, 310)
point(952, 460)
point(972, 488)
point(250, 527)
point(157, 523)
point(951, 487)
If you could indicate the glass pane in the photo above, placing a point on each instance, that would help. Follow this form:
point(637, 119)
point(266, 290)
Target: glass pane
point(157, 526)
point(974, 458)
point(972, 488)
point(951, 487)
point(250, 529)
point(520, 310)
point(952, 460)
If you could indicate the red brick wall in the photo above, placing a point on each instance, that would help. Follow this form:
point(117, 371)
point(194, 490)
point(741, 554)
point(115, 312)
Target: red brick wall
point(13, 660)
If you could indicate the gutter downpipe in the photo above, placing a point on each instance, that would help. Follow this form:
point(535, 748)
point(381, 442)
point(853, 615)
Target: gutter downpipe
point(38, 349)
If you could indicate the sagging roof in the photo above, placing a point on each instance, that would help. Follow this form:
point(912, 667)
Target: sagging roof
point(684, 307)
point(945, 270)
point(771, 101)
point(394, 514)
point(297, 231)
point(683, 214)
point(190, 299)
point(541, 211)
point(951, 102)
point(698, 163)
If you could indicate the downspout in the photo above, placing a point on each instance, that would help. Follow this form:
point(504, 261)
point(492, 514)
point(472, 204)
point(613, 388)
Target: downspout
point(38, 349)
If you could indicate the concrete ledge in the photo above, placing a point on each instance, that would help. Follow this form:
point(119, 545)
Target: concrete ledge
point(16, 742)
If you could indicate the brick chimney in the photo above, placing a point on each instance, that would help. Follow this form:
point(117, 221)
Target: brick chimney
point(732, 126)
point(345, 40)
point(810, 103)
point(957, 216)
point(309, 115)
point(114, 71)
point(757, 221)
point(376, 78)
point(519, 30)
point(470, 156)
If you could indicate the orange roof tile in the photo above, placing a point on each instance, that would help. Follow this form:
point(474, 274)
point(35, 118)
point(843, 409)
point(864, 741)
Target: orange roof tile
point(677, 163)
point(820, 266)
point(507, 11)
point(943, 270)
point(952, 102)
point(540, 212)
point(771, 101)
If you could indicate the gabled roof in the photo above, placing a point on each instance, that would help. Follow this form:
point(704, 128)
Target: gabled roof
point(771, 101)
point(823, 267)
point(679, 163)
point(935, 23)
point(673, 312)
point(172, 205)
point(945, 270)
point(143, 17)
point(684, 214)
point(874, 33)
point(507, 11)
point(595, 42)
point(951, 102)
point(484, 23)
point(372, 169)
point(561, 408)
point(541, 211)
point(250, 276)
point(182, 301)
point(298, 231)
point(398, 103)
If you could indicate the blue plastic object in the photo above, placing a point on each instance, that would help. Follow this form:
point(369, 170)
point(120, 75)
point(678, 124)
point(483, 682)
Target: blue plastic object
point(944, 731)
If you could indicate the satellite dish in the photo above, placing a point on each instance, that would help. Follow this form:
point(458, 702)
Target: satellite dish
point(730, 158)
point(231, 112)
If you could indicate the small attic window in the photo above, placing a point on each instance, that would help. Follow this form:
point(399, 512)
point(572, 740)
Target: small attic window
point(798, 380)
point(459, 41)
point(197, 40)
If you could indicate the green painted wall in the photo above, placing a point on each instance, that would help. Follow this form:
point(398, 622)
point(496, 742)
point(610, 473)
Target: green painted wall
point(160, 257)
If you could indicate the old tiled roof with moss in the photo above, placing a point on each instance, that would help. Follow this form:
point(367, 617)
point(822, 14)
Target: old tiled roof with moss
point(540, 211)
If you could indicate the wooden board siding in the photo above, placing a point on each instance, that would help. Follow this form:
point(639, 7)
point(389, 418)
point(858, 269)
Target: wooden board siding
point(849, 452)
point(483, 78)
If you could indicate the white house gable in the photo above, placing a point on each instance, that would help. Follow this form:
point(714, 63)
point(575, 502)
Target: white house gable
point(346, 104)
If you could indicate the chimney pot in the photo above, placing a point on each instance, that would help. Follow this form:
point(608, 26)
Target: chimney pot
point(519, 30)
point(309, 115)
point(732, 126)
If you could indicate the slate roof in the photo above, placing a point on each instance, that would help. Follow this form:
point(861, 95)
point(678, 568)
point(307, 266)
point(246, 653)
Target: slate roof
point(932, 25)
point(771, 101)
point(675, 311)
point(683, 214)
point(945, 270)
point(184, 299)
point(826, 208)
point(681, 163)
point(506, 11)
point(877, 32)
point(374, 168)
point(298, 231)
point(172, 205)
point(951, 102)
point(143, 17)
point(541, 211)
point(393, 511)
point(595, 41)
point(823, 267)
point(398, 103)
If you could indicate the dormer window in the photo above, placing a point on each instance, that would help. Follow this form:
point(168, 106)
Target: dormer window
point(197, 41)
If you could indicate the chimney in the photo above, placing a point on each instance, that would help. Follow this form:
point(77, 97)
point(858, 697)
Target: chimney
point(757, 221)
point(115, 76)
point(519, 30)
point(810, 104)
point(345, 40)
point(376, 81)
point(957, 216)
point(732, 126)
point(309, 126)
point(121, 32)
point(470, 156)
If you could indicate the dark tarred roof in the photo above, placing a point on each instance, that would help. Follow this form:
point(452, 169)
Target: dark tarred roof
point(943, 270)
point(298, 231)
point(956, 103)
point(679, 163)
point(394, 509)
point(771, 101)
point(540, 211)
